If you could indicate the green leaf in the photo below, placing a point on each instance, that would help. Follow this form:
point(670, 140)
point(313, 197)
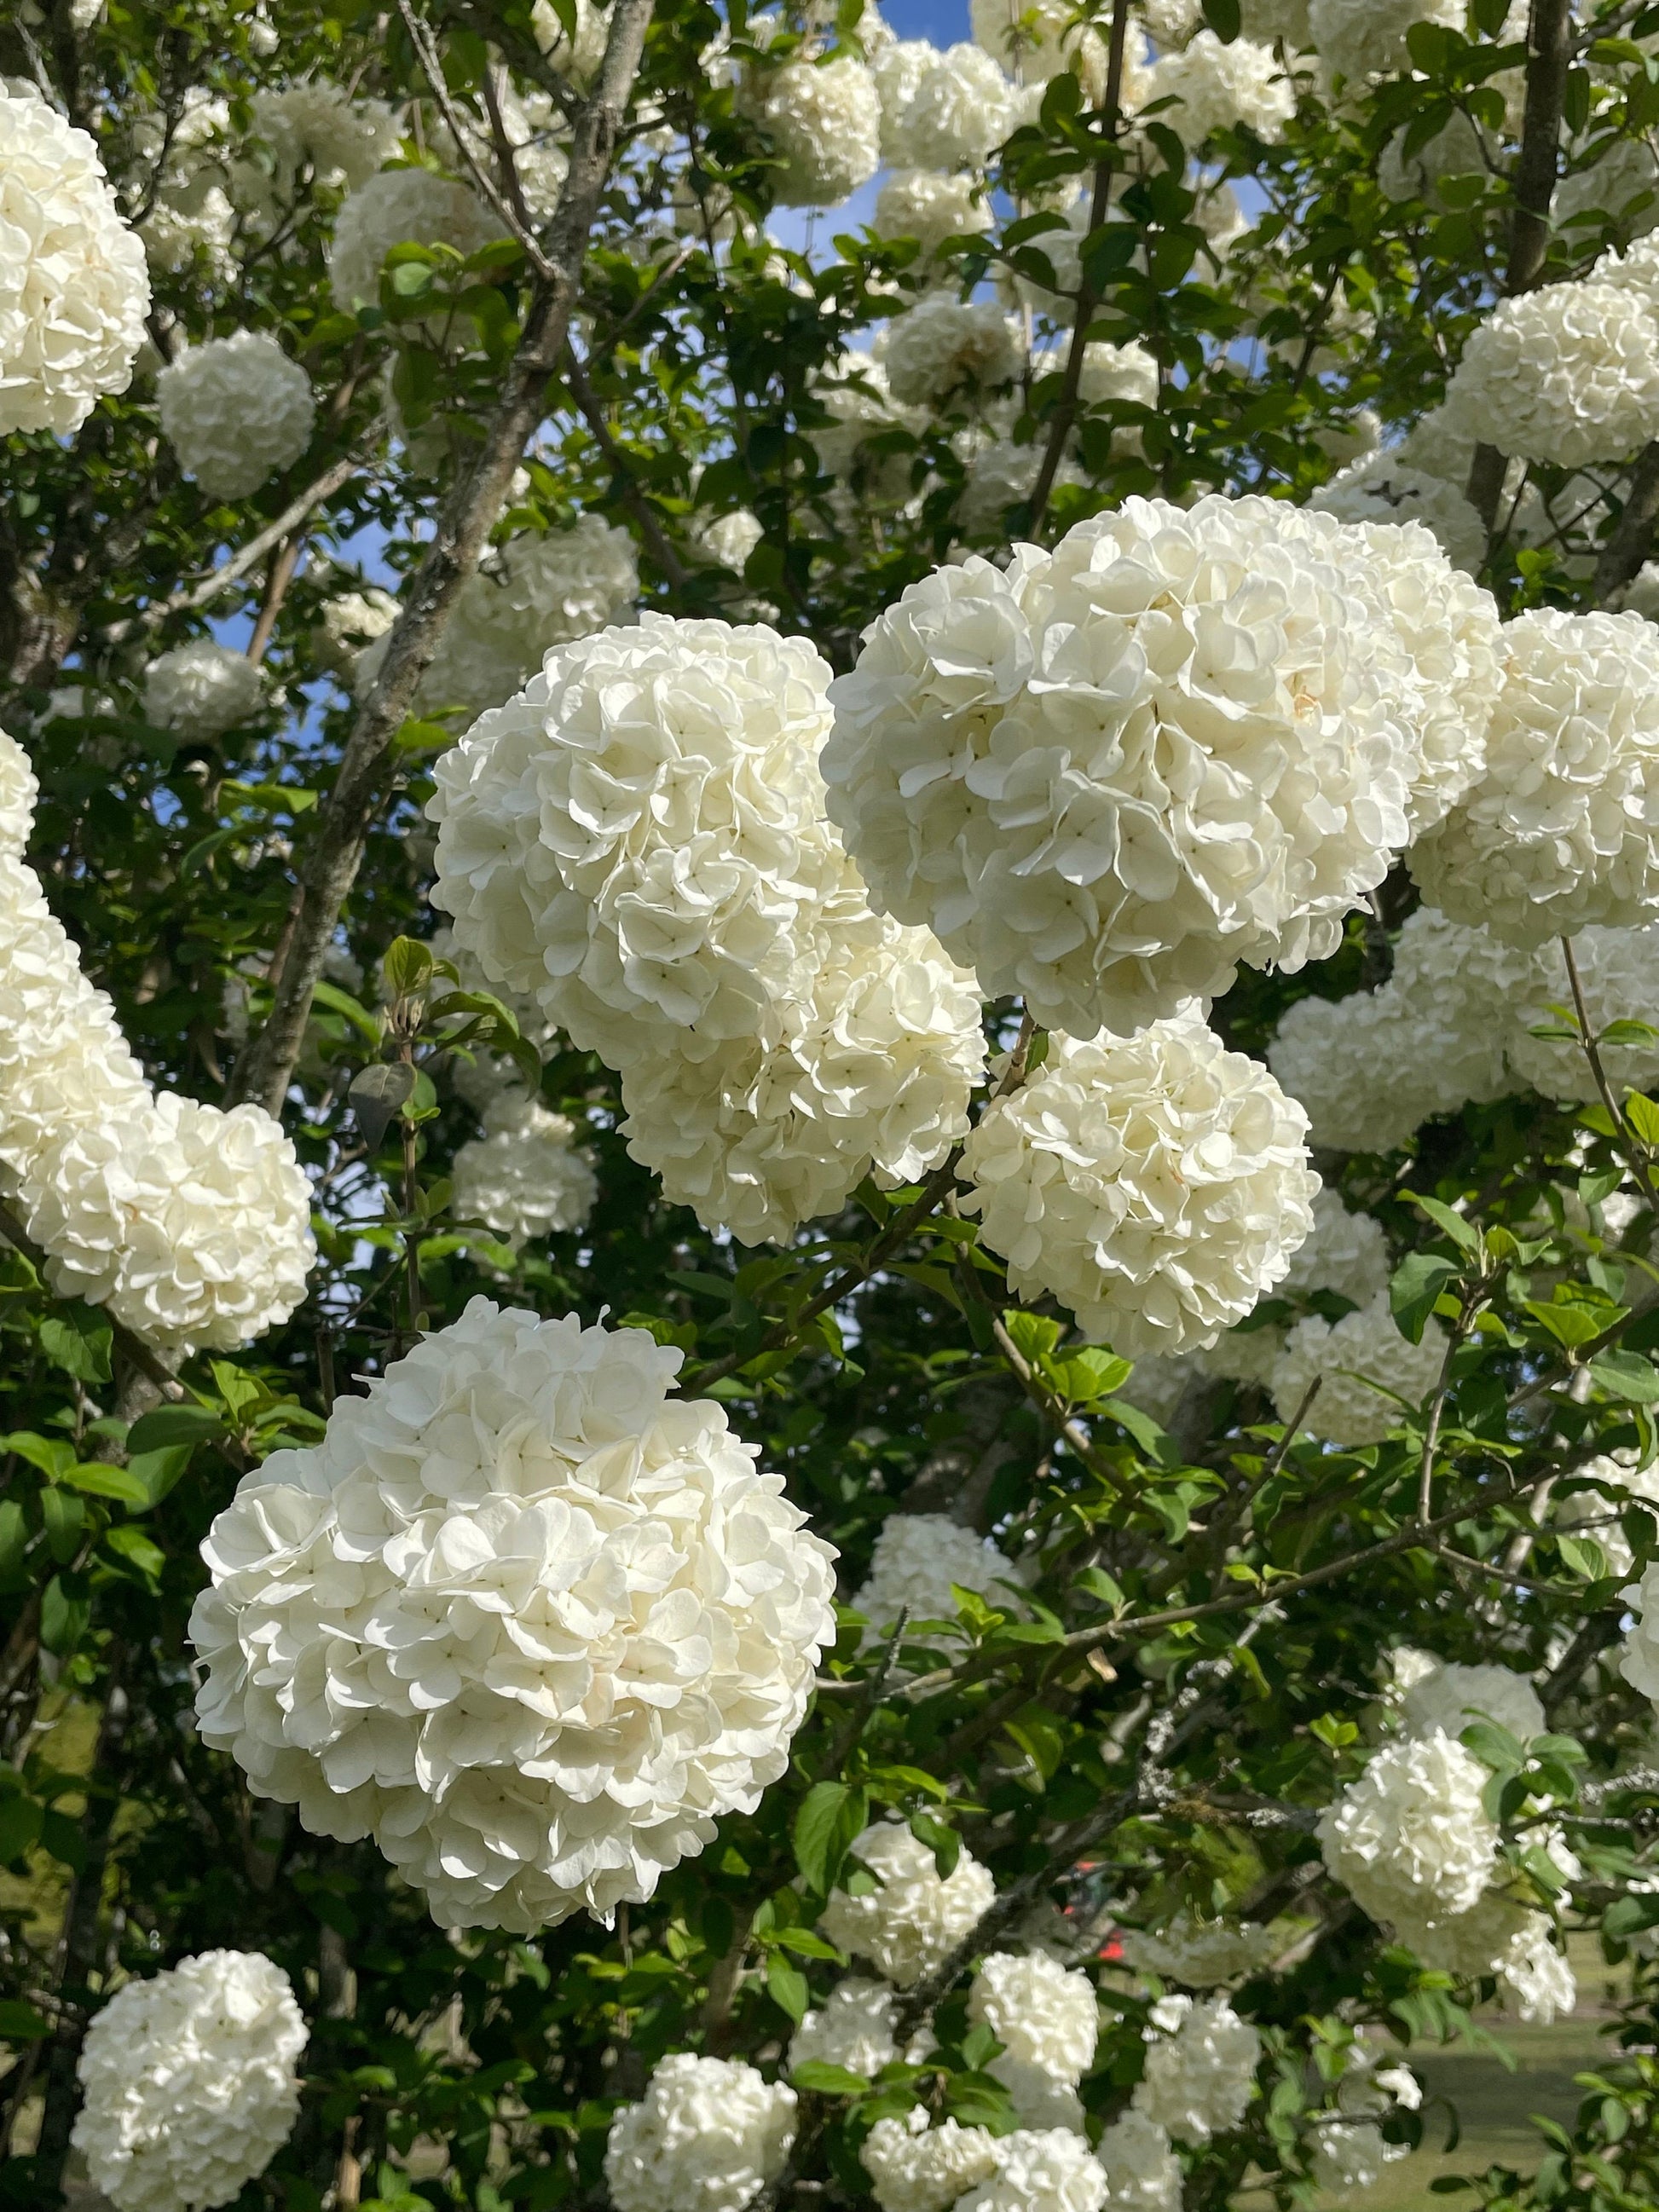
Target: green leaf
point(65, 1610)
point(1569, 1324)
point(829, 2081)
point(65, 1517)
point(98, 1480)
point(1626, 1375)
point(1223, 18)
point(1083, 1376)
point(174, 1425)
point(1033, 1336)
point(20, 1826)
point(14, 1539)
point(407, 966)
point(53, 1456)
point(20, 2022)
point(1581, 1556)
point(941, 1838)
point(378, 1093)
point(78, 1340)
point(1493, 1746)
point(787, 1987)
point(831, 1815)
point(1462, 1233)
point(1416, 1285)
point(133, 1545)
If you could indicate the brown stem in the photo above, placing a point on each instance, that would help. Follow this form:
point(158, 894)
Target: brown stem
point(1626, 549)
point(280, 575)
point(265, 1069)
point(79, 1950)
point(1087, 298)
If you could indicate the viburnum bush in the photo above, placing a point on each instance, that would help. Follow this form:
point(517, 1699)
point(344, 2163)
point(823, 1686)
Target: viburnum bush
point(829, 1097)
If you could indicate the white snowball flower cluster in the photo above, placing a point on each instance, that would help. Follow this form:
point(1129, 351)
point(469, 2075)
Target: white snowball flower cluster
point(916, 2168)
point(1043, 2015)
point(853, 2028)
point(1411, 1840)
point(1378, 489)
point(74, 288)
point(1458, 148)
point(929, 207)
point(917, 1558)
point(824, 120)
point(191, 1224)
point(526, 1620)
point(1622, 182)
point(1449, 1698)
point(1562, 829)
point(192, 214)
point(201, 689)
point(349, 622)
point(1443, 1024)
point(1220, 88)
point(19, 789)
point(1200, 2068)
point(946, 349)
point(1568, 375)
point(1036, 43)
point(859, 400)
point(707, 2137)
point(1500, 1936)
point(1040, 2170)
point(1358, 1360)
point(1143, 2173)
point(998, 474)
point(961, 108)
point(1592, 1513)
point(538, 591)
point(235, 411)
point(1350, 2155)
point(914, 1917)
point(1156, 1186)
point(1639, 1660)
point(639, 838)
point(1107, 775)
point(1356, 39)
point(312, 124)
point(394, 208)
point(1347, 1253)
point(523, 1176)
point(1618, 974)
point(1202, 1953)
point(188, 2083)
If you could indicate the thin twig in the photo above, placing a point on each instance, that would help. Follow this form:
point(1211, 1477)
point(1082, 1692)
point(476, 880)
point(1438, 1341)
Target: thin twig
point(1587, 1037)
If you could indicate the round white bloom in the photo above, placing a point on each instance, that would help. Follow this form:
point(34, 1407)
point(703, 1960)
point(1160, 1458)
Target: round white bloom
point(1411, 1837)
point(1267, 21)
point(1200, 2068)
point(854, 2029)
point(1221, 88)
point(19, 789)
point(731, 538)
point(1596, 1515)
point(1435, 643)
point(897, 70)
point(1041, 2013)
point(1347, 1253)
point(187, 2080)
point(1360, 1360)
point(998, 475)
point(931, 208)
point(962, 107)
point(1156, 1186)
point(1458, 148)
point(1447, 980)
point(235, 411)
point(1143, 2174)
point(916, 2168)
point(74, 290)
point(945, 347)
point(523, 1177)
point(1110, 773)
point(1378, 490)
point(392, 209)
point(1124, 372)
point(1349, 2154)
point(824, 120)
point(918, 1556)
point(1326, 1054)
point(1619, 972)
point(1500, 1936)
point(1622, 182)
point(1562, 829)
point(1639, 1659)
point(191, 1224)
point(1040, 2170)
point(1450, 1698)
point(526, 1620)
point(64, 1066)
point(317, 125)
point(856, 396)
point(1035, 43)
point(914, 1918)
point(707, 2137)
point(866, 1064)
point(1568, 375)
point(201, 689)
point(1203, 1954)
point(349, 621)
point(638, 839)
point(1244, 1355)
point(535, 593)
point(1359, 39)
point(1038, 2098)
point(577, 59)
point(1158, 1385)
